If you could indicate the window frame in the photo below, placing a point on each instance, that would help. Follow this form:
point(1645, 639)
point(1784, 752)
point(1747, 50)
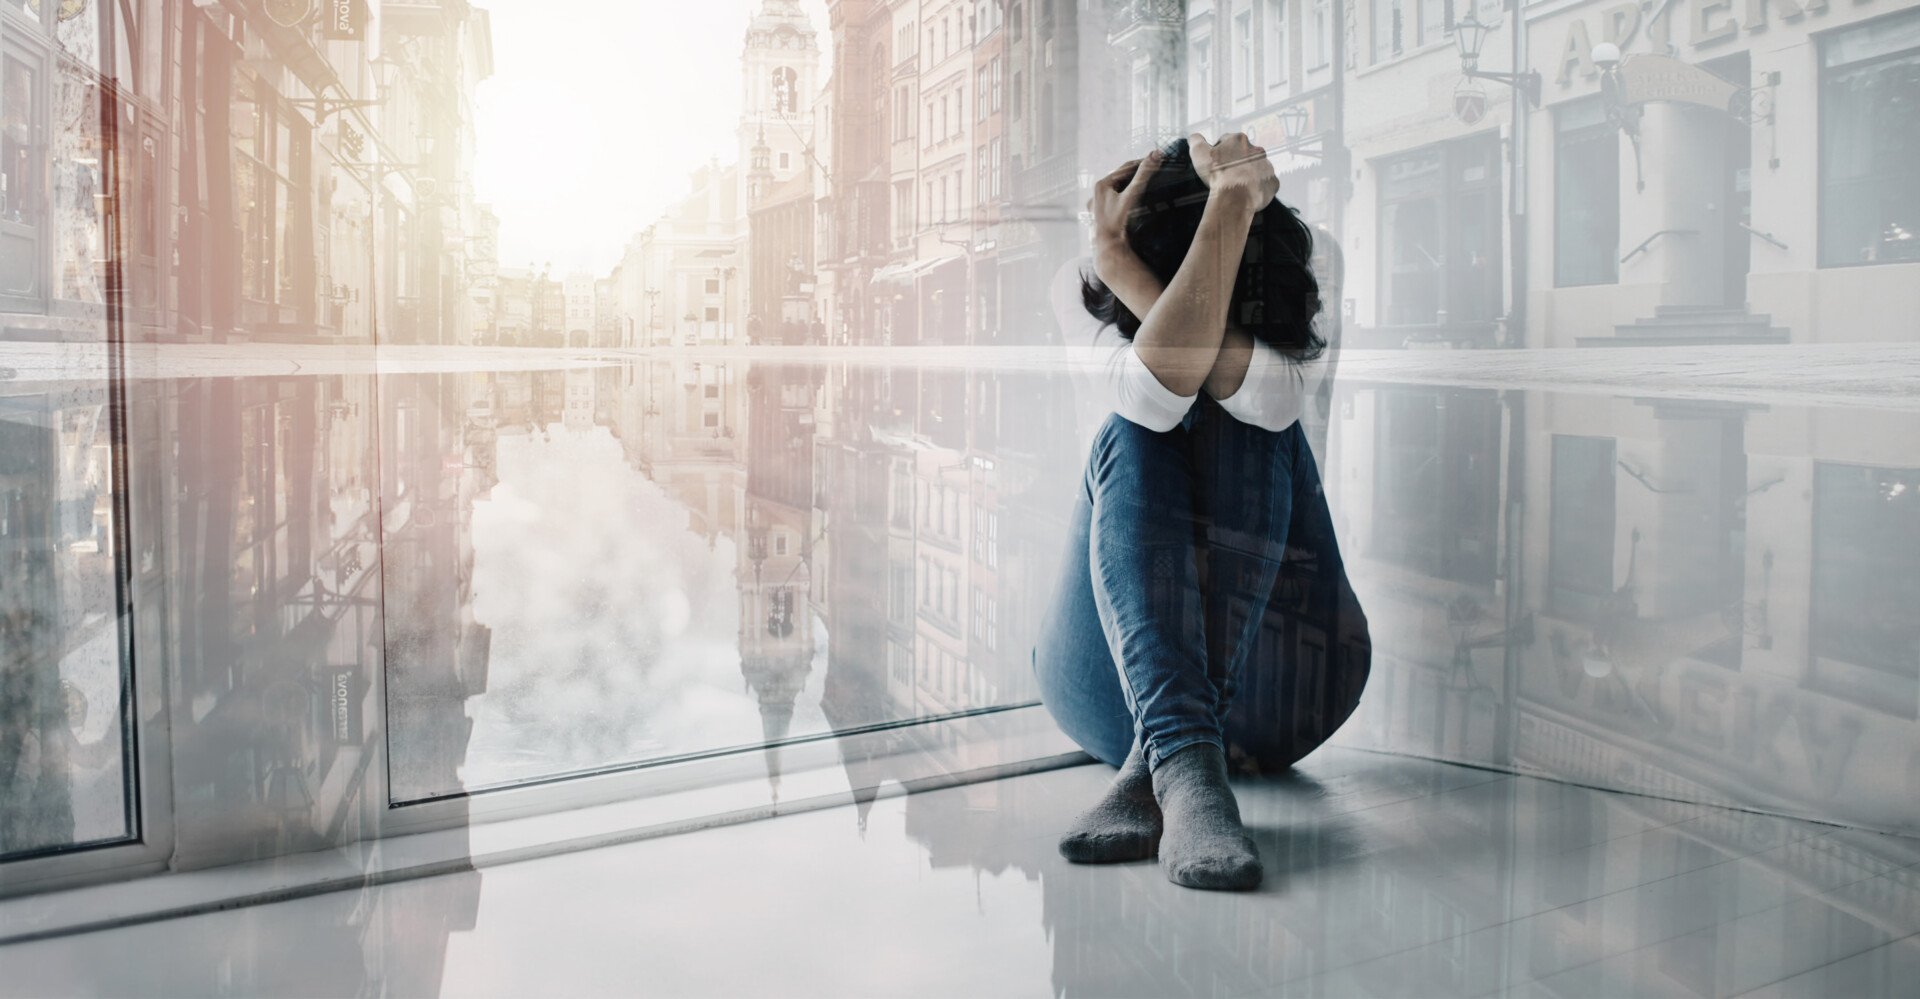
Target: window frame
point(1824, 671)
point(139, 605)
point(1450, 153)
point(1583, 132)
point(1322, 31)
point(1386, 39)
point(37, 233)
point(1396, 538)
point(1200, 87)
point(1244, 70)
point(1276, 63)
point(1822, 39)
point(1564, 600)
point(138, 599)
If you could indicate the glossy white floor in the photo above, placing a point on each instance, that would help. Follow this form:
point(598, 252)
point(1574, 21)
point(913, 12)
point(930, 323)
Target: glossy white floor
point(1386, 876)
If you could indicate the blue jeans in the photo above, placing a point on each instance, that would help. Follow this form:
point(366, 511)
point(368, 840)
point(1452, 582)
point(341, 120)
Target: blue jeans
point(1192, 554)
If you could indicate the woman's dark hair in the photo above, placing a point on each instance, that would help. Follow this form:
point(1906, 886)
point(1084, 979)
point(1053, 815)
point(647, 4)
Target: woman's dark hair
point(1275, 297)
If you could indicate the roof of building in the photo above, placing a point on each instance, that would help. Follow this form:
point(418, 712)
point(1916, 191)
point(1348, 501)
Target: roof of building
point(798, 186)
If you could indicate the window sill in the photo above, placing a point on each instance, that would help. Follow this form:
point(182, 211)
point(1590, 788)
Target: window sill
point(529, 823)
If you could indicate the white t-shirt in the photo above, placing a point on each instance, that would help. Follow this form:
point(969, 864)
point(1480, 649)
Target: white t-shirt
point(1110, 378)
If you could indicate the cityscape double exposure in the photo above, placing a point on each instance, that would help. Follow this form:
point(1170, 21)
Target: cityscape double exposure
point(407, 404)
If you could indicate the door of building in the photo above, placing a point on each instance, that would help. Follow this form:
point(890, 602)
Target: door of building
point(1736, 187)
point(1440, 252)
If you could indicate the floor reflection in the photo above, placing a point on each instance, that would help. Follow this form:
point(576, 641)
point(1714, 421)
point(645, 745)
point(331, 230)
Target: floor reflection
point(656, 559)
point(1397, 877)
point(507, 567)
point(659, 557)
point(1388, 876)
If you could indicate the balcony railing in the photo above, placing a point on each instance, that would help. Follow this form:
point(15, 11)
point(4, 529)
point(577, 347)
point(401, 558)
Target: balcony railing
point(1045, 181)
point(1132, 17)
point(1144, 137)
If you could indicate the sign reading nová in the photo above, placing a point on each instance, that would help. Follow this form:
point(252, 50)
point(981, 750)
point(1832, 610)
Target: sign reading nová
point(344, 20)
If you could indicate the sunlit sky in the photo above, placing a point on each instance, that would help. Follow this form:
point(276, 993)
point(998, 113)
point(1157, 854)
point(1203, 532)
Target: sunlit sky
point(597, 112)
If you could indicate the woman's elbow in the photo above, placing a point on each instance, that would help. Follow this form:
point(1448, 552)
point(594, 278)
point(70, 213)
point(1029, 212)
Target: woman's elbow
point(1175, 374)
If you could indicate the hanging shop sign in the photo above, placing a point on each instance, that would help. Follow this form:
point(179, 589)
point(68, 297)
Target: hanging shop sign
point(1646, 78)
point(344, 715)
point(1469, 103)
point(288, 13)
point(344, 20)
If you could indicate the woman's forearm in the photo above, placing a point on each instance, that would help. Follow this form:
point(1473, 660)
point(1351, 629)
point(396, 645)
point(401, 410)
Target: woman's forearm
point(1139, 290)
point(1181, 332)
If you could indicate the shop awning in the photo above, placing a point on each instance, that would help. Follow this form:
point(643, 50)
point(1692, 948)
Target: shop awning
point(907, 270)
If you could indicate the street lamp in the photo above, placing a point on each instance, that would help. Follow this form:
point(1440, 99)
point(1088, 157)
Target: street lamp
point(1470, 33)
point(1293, 126)
point(1293, 122)
point(1622, 113)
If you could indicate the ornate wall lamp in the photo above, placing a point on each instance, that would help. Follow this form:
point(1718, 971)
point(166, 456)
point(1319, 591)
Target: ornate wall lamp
point(1293, 125)
point(1470, 33)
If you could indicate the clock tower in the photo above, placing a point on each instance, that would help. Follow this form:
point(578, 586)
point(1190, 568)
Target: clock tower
point(780, 65)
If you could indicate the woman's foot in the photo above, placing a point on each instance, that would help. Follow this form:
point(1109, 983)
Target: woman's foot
point(1204, 845)
point(1123, 825)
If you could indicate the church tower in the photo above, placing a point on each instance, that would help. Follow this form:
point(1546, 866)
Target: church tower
point(780, 76)
point(759, 170)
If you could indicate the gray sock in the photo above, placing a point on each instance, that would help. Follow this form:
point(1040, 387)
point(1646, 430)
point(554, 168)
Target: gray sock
point(1204, 845)
point(1123, 825)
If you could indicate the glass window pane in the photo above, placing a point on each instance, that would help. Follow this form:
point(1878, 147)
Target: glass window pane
point(617, 565)
point(77, 187)
point(1866, 643)
point(1869, 140)
point(23, 202)
point(808, 464)
point(65, 726)
point(1580, 547)
point(63, 732)
point(1586, 196)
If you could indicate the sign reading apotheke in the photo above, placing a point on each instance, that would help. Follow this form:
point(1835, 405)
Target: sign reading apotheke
point(344, 20)
point(1700, 24)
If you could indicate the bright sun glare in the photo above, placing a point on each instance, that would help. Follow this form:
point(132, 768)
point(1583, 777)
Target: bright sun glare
point(596, 113)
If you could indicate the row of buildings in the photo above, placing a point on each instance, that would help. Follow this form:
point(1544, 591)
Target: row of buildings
point(1699, 597)
point(1733, 172)
point(200, 574)
point(1572, 583)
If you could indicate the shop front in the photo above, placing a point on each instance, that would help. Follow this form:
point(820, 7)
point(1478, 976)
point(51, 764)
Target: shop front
point(1718, 173)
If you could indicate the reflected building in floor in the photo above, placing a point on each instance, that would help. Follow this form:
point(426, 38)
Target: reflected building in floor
point(437, 655)
point(774, 569)
point(1521, 881)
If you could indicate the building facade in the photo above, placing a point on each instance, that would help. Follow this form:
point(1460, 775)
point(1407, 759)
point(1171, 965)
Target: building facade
point(257, 177)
